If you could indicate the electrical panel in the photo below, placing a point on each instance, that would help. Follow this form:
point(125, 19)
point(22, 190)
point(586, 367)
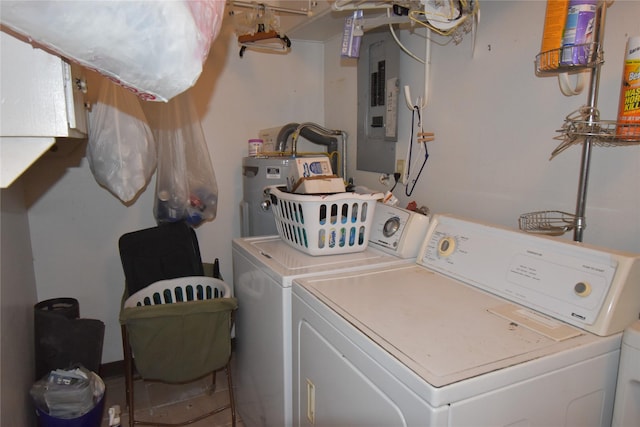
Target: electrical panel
point(378, 89)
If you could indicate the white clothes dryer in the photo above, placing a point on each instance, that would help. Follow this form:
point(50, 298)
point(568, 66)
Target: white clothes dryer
point(626, 412)
point(264, 268)
point(490, 327)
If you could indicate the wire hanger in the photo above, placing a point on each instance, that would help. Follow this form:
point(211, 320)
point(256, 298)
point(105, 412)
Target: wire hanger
point(258, 29)
point(416, 113)
point(423, 137)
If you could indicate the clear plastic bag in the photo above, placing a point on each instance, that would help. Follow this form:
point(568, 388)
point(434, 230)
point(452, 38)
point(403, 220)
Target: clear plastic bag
point(121, 150)
point(155, 48)
point(68, 393)
point(186, 187)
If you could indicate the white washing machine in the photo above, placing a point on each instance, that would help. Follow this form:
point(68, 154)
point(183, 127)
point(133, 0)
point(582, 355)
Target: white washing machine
point(490, 327)
point(264, 268)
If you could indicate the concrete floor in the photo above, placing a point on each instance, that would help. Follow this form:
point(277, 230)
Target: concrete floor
point(170, 403)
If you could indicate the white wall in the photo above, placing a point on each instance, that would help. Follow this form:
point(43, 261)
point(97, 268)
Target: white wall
point(495, 123)
point(75, 224)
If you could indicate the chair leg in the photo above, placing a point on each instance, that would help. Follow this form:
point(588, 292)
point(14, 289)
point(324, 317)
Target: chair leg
point(128, 375)
point(232, 401)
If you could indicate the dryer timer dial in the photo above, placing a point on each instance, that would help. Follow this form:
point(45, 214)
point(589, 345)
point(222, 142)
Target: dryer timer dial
point(446, 246)
point(582, 289)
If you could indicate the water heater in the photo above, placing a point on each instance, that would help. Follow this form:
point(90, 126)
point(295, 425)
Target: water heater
point(258, 173)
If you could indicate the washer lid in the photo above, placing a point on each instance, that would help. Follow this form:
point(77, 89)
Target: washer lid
point(441, 329)
point(284, 262)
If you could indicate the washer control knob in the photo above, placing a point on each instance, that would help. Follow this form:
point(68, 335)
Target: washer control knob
point(582, 289)
point(446, 246)
point(391, 226)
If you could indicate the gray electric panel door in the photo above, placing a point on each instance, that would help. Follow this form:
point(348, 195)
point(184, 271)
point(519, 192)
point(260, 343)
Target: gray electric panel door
point(378, 88)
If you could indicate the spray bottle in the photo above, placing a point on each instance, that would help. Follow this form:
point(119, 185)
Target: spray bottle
point(629, 107)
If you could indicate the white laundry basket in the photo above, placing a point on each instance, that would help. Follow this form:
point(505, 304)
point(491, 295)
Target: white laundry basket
point(324, 224)
point(182, 289)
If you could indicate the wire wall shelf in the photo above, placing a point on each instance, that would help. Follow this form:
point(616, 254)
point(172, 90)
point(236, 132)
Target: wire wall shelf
point(608, 133)
point(581, 127)
point(585, 124)
point(551, 223)
point(569, 59)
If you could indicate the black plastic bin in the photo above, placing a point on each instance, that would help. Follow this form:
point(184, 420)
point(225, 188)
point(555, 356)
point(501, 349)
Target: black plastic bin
point(63, 339)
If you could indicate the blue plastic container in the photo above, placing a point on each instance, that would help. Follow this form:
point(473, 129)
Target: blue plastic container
point(93, 418)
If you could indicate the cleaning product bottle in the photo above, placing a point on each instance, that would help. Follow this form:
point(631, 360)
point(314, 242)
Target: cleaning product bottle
point(578, 32)
point(628, 126)
point(554, 22)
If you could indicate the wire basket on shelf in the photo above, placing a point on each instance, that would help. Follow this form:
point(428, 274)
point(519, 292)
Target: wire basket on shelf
point(324, 224)
point(569, 58)
point(585, 123)
point(552, 223)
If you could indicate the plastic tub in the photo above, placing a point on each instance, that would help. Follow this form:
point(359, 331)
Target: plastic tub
point(93, 418)
point(328, 224)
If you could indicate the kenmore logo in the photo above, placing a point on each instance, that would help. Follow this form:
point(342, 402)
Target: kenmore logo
point(579, 316)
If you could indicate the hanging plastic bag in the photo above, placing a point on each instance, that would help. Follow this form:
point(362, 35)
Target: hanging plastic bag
point(186, 187)
point(121, 150)
point(155, 48)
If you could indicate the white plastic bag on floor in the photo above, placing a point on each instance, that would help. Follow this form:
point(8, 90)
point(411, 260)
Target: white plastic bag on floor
point(155, 48)
point(68, 393)
point(121, 150)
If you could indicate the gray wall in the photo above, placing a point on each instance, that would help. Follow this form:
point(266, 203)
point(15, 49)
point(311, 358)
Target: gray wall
point(495, 122)
point(17, 297)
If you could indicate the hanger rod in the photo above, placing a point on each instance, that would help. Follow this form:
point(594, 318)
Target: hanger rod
point(306, 12)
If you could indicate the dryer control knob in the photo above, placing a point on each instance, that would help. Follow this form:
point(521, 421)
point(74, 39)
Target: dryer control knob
point(446, 246)
point(391, 226)
point(582, 289)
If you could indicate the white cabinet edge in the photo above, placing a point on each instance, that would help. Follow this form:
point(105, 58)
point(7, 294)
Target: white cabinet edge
point(18, 153)
point(41, 99)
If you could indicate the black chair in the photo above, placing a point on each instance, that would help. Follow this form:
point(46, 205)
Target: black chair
point(158, 253)
point(176, 329)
